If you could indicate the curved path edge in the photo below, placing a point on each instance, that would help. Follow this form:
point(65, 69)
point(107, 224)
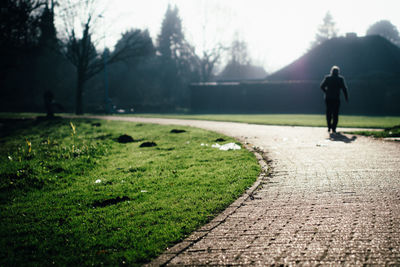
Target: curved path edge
point(172, 252)
point(203, 231)
point(327, 199)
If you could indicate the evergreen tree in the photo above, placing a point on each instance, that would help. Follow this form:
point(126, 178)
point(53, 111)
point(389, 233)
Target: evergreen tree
point(138, 44)
point(19, 29)
point(178, 61)
point(51, 67)
point(19, 39)
point(131, 80)
point(326, 30)
point(48, 33)
point(171, 36)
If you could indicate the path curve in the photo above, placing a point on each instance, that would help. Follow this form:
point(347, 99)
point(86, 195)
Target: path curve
point(329, 201)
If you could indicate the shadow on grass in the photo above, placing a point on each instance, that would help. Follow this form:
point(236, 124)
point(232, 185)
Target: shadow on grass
point(11, 126)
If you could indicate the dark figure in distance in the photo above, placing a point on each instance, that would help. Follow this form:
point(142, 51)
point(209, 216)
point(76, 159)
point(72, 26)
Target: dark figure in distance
point(331, 85)
point(50, 104)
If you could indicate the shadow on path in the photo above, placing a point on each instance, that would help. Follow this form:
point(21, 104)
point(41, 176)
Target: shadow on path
point(338, 137)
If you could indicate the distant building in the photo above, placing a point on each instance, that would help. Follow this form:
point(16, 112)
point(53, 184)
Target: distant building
point(238, 72)
point(351, 35)
point(356, 57)
point(370, 64)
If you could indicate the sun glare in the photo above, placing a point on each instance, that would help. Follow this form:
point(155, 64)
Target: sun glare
point(276, 32)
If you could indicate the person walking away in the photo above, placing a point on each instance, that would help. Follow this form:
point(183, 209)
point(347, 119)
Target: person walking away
point(331, 86)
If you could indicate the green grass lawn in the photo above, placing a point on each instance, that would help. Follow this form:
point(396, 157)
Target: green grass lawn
point(71, 195)
point(315, 120)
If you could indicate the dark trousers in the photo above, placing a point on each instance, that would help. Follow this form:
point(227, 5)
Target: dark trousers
point(332, 113)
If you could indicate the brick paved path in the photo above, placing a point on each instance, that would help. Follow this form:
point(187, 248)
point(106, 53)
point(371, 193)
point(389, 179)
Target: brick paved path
point(327, 201)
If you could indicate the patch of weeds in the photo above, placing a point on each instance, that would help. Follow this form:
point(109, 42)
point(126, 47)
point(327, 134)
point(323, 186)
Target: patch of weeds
point(40, 152)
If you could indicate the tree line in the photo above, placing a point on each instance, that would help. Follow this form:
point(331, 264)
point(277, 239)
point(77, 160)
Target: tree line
point(328, 30)
point(138, 74)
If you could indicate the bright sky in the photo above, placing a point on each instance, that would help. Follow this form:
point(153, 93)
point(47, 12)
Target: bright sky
point(276, 31)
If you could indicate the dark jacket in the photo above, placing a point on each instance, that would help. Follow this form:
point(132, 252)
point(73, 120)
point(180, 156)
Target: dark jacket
point(332, 85)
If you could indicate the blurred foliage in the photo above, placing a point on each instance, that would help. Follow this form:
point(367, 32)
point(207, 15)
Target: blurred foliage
point(385, 29)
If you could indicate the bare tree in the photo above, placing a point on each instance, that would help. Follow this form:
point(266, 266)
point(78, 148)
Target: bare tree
point(238, 60)
point(239, 51)
point(209, 60)
point(81, 50)
point(212, 51)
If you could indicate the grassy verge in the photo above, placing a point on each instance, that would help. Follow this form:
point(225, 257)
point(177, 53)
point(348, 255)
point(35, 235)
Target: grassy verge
point(70, 194)
point(388, 132)
point(314, 120)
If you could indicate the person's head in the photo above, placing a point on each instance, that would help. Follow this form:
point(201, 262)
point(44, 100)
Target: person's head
point(335, 71)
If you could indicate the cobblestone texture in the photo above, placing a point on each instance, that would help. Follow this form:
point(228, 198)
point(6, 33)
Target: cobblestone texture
point(329, 200)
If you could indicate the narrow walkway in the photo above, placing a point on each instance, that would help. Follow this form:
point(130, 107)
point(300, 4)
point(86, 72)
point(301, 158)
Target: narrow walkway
point(329, 201)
